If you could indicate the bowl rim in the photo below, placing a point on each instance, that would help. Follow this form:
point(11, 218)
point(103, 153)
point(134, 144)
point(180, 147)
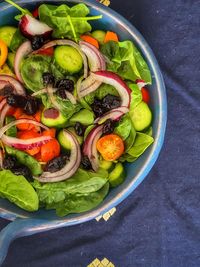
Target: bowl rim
point(155, 151)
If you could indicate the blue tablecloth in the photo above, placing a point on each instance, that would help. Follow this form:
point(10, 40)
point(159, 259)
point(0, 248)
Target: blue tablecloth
point(159, 224)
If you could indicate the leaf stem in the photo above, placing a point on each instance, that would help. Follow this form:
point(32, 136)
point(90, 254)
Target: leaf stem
point(15, 5)
point(86, 18)
point(72, 28)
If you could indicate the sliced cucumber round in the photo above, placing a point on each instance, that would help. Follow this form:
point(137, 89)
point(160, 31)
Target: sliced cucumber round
point(99, 36)
point(117, 175)
point(6, 34)
point(141, 116)
point(106, 165)
point(68, 58)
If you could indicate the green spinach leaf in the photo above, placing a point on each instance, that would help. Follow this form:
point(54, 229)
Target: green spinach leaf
point(66, 22)
point(126, 60)
point(123, 127)
point(18, 190)
point(82, 182)
point(17, 40)
point(136, 95)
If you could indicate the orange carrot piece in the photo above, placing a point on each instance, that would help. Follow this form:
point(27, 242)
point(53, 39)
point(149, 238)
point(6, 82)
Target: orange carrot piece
point(25, 126)
point(51, 132)
point(28, 135)
point(111, 36)
point(18, 112)
point(37, 115)
point(91, 40)
point(50, 150)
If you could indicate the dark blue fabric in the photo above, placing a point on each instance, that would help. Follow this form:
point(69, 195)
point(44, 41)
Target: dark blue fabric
point(159, 224)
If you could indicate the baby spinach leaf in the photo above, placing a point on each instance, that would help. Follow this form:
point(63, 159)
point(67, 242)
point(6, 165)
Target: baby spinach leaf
point(26, 160)
point(123, 127)
point(34, 66)
point(18, 190)
point(142, 142)
point(17, 40)
point(82, 182)
point(82, 202)
point(136, 95)
point(126, 60)
point(67, 22)
point(130, 139)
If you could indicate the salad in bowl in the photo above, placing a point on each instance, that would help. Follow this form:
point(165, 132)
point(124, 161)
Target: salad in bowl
point(74, 108)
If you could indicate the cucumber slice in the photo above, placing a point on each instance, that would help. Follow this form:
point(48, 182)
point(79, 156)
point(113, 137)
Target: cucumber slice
point(6, 34)
point(13, 130)
point(106, 165)
point(79, 138)
point(68, 58)
point(11, 60)
point(141, 116)
point(99, 36)
point(117, 176)
point(58, 122)
point(84, 116)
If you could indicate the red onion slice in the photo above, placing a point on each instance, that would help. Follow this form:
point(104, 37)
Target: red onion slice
point(3, 114)
point(89, 85)
point(113, 79)
point(13, 123)
point(67, 42)
point(114, 114)
point(95, 58)
point(22, 51)
point(1, 159)
point(89, 148)
point(2, 103)
point(141, 83)
point(19, 89)
point(54, 102)
point(71, 166)
point(71, 98)
point(25, 144)
point(2, 84)
point(40, 92)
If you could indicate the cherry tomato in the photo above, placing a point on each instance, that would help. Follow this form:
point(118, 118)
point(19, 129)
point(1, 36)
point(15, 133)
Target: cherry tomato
point(111, 147)
point(145, 95)
point(47, 52)
point(35, 13)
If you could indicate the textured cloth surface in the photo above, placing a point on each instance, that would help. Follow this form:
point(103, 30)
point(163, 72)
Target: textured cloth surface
point(159, 224)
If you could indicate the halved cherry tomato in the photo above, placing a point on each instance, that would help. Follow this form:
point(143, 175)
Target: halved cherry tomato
point(25, 126)
point(110, 146)
point(28, 135)
point(51, 132)
point(35, 13)
point(145, 95)
point(50, 150)
point(91, 40)
point(47, 52)
point(3, 53)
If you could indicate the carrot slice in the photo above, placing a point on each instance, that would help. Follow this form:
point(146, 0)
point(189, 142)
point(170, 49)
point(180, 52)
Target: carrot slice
point(28, 135)
point(18, 112)
point(50, 150)
point(91, 40)
point(111, 36)
point(37, 115)
point(26, 126)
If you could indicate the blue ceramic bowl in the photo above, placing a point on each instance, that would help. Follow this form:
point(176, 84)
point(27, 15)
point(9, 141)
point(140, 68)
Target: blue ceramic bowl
point(25, 223)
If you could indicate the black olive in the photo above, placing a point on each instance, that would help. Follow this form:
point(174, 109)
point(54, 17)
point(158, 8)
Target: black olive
point(17, 101)
point(110, 102)
point(61, 93)
point(24, 171)
point(56, 164)
point(32, 105)
point(98, 108)
point(86, 164)
point(66, 84)
point(48, 78)
point(37, 42)
point(79, 129)
point(108, 127)
point(9, 163)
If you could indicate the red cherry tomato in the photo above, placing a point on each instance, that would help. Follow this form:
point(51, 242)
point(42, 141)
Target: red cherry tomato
point(145, 94)
point(35, 13)
point(48, 51)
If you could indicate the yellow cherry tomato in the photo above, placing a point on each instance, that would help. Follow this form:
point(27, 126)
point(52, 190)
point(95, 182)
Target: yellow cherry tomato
point(3, 53)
